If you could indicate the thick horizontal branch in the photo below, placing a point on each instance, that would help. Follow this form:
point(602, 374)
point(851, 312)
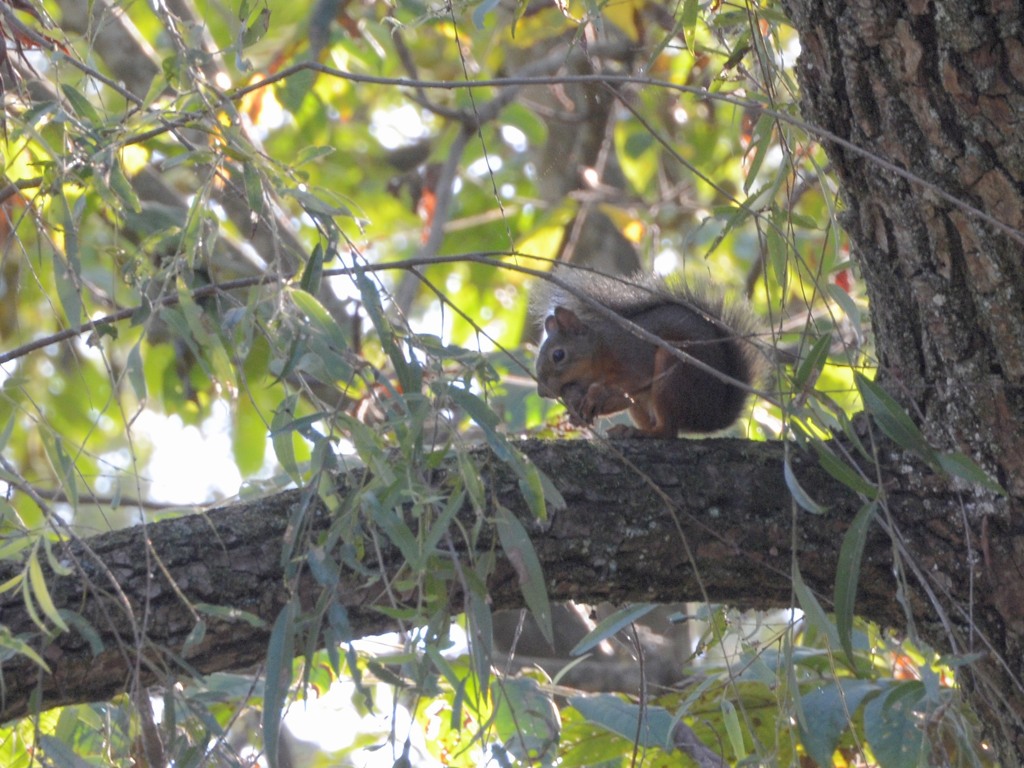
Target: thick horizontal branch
point(645, 520)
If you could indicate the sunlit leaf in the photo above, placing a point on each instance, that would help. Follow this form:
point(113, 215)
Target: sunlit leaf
point(650, 726)
point(829, 710)
point(610, 625)
point(41, 593)
point(892, 726)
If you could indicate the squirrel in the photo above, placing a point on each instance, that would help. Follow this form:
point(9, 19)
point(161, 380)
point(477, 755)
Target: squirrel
point(598, 366)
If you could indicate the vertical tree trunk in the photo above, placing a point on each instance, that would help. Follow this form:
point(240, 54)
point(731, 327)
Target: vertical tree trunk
point(936, 88)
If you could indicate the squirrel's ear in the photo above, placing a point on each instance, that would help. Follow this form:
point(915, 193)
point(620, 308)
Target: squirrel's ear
point(565, 320)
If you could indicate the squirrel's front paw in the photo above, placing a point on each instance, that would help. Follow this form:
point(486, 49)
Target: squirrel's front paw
point(622, 432)
point(573, 396)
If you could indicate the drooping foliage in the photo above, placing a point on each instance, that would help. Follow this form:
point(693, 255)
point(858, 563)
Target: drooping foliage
point(250, 246)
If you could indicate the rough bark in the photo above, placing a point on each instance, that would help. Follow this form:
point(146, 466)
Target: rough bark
point(936, 88)
point(645, 520)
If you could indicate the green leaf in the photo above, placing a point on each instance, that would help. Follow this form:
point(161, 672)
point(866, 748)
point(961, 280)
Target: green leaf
point(281, 436)
point(68, 284)
point(622, 717)
point(799, 494)
point(319, 318)
point(88, 632)
point(848, 575)
point(253, 190)
point(409, 375)
point(481, 11)
point(813, 612)
point(732, 729)
point(842, 472)
point(62, 465)
point(778, 246)
point(81, 105)
point(5, 435)
point(844, 300)
point(518, 548)
point(314, 270)
point(294, 90)
point(763, 143)
point(526, 720)
point(536, 488)
point(610, 625)
point(391, 522)
point(56, 752)
point(278, 679)
point(255, 31)
point(309, 154)
point(812, 364)
point(136, 372)
point(893, 420)
point(41, 593)
point(965, 468)
point(193, 638)
point(480, 635)
point(248, 436)
point(892, 727)
point(11, 644)
point(689, 23)
point(828, 710)
point(123, 188)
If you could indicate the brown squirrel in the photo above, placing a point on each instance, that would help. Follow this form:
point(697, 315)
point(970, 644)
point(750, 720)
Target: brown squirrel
point(597, 365)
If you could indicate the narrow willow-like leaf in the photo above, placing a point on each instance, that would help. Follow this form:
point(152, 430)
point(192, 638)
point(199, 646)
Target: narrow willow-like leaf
point(844, 300)
point(195, 636)
point(812, 363)
point(254, 191)
point(893, 420)
point(801, 496)
point(518, 548)
point(848, 575)
point(964, 467)
point(689, 23)
point(313, 272)
point(319, 317)
point(15, 645)
point(842, 472)
point(610, 625)
point(409, 375)
point(732, 729)
point(123, 188)
point(68, 290)
point(82, 106)
point(278, 680)
point(136, 373)
point(813, 612)
point(41, 593)
point(281, 437)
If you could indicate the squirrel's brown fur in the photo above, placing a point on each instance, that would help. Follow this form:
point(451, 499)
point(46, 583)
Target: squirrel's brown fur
point(597, 365)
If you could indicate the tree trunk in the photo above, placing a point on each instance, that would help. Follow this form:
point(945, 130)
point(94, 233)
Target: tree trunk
point(934, 92)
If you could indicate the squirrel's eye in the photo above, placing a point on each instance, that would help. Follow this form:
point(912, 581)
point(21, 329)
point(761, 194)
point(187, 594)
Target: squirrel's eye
point(557, 355)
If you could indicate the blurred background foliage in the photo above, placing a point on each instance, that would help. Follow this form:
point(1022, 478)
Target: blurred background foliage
point(248, 244)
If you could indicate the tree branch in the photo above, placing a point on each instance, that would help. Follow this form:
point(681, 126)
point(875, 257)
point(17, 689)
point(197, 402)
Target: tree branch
point(644, 520)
